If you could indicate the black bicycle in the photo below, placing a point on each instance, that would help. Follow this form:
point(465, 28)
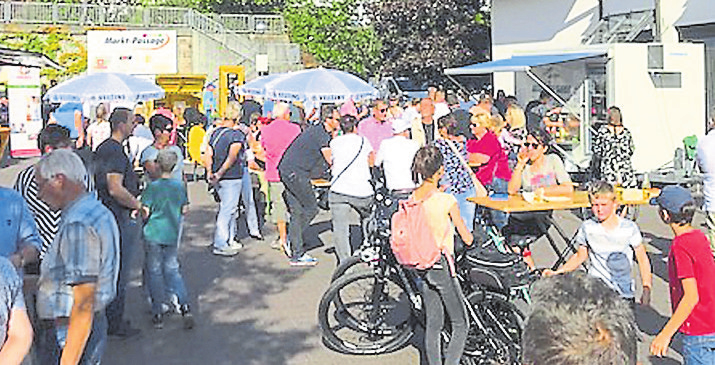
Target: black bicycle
point(374, 303)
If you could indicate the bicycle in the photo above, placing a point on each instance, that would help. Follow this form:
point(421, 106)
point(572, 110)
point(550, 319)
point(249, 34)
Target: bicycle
point(374, 311)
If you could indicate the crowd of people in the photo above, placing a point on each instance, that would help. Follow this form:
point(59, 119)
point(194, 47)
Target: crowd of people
point(77, 219)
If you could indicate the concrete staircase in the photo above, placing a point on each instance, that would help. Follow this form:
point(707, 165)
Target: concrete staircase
point(209, 40)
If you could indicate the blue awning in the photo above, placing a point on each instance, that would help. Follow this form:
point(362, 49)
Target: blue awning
point(520, 63)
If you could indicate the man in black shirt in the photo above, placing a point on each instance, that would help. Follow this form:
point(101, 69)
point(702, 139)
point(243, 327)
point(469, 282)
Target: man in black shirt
point(117, 188)
point(309, 149)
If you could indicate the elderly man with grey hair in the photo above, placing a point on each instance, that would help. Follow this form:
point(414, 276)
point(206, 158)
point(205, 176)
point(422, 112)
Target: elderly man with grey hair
point(577, 319)
point(78, 275)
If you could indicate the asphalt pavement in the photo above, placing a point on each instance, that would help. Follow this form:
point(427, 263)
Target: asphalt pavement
point(255, 309)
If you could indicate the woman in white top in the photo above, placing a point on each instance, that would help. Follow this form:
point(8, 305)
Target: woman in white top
point(350, 189)
point(100, 130)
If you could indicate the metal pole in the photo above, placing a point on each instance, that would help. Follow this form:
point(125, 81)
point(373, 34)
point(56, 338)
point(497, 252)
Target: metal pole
point(552, 93)
point(459, 85)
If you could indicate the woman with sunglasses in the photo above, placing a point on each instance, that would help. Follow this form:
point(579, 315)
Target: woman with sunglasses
point(486, 151)
point(543, 174)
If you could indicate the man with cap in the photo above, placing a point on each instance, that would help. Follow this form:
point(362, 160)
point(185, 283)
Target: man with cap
point(396, 155)
point(691, 278)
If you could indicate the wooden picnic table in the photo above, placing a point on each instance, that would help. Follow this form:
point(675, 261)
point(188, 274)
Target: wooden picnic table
point(579, 199)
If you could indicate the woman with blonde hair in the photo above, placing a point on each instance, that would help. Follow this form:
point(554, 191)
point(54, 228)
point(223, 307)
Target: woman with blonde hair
point(487, 153)
point(100, 129)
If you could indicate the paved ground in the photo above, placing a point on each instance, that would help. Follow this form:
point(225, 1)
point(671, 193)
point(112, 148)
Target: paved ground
point(255, 309)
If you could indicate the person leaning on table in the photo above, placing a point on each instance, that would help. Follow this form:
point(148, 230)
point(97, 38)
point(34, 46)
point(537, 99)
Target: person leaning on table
point(542, 173)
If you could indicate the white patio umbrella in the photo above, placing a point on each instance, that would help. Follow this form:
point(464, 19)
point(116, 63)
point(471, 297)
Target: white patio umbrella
point(317, 85)
point(104, 86)
point(257, 86)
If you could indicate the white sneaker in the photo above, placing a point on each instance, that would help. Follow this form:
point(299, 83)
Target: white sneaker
point(225, 251)
point(235, 245)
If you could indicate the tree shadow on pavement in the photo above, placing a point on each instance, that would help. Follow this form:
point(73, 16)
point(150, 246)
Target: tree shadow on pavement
point(230, 301)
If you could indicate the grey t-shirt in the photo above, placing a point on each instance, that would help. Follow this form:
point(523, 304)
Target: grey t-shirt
point(553, 173)
point(10, 295)
point(610, 253)
point(150, 153)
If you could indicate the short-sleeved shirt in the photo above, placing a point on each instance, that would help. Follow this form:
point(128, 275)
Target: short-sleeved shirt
point(396, 155)
point(437, 208)
point(150, 153)
point(351, 177)
point(47, 220)
point(498, 164)
point(110, 159)
point(10, 295)
point(456, 174)
point(17, 225)
point(553, 174)
point(275, 139)
point(304, 153)
point(165, 198)
point(64, 115)
point(85, 250)
point(100, 131)
point(610, 253)
point(221, 141)
point(706, 160)
point(690, 257)
point(375, 131)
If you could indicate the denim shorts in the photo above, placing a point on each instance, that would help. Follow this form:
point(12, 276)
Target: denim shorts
point(699, 350)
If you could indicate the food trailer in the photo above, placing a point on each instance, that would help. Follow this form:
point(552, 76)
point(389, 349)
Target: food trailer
point(658, 87)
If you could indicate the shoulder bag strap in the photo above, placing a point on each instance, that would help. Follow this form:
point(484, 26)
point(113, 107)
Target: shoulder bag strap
point(362, 142)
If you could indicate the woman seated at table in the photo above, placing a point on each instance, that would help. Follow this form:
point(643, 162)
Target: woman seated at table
point(487, 154)
point(541, 173)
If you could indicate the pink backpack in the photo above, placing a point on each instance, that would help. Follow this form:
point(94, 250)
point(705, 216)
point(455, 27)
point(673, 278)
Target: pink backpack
point(412, 240)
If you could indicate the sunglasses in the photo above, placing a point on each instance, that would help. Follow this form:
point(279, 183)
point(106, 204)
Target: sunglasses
point(383, 110)
point(530, 145)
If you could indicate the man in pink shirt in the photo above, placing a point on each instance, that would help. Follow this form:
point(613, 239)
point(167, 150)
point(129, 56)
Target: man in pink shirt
point(376, 128)
point(275, 139)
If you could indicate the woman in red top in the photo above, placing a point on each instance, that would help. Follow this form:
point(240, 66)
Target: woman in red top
point(486, 152)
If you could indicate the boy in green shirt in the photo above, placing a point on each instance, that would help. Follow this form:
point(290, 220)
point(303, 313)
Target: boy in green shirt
point(164, 201)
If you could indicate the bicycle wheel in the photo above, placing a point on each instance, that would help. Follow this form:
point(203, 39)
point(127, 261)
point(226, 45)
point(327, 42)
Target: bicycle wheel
point(364, 314)
point(494, 331)
point(350, 265)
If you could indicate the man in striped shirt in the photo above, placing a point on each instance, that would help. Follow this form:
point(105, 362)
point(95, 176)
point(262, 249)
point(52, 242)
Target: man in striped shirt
point(52, 137)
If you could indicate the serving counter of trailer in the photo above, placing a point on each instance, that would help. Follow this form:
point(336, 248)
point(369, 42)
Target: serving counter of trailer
point(658, 87)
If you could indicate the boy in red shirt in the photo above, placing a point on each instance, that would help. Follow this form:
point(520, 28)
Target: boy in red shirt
point(691, 273)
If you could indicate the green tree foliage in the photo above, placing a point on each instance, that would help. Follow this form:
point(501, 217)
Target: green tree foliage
point(59, 46)
point(422, 38)
point(333, 35)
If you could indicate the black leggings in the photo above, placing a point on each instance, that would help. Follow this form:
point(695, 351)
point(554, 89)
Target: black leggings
point(441, 294)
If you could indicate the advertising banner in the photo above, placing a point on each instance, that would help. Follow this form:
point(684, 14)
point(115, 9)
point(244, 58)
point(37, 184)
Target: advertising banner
point(136, 52)
point(25, 110)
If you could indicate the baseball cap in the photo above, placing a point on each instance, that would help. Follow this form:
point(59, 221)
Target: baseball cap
point(672, 198)
point(400, 125)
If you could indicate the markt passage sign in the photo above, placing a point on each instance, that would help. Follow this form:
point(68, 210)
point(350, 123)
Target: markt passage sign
point(138, 52)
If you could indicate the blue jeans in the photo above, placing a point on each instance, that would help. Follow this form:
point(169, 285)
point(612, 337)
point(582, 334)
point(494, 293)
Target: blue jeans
point(249, 204)
point(466, 208)
point(699, 350)
point(163, 267)
point(96, 343)
point(129, 232)
point(499, 218)
point(230, 193)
